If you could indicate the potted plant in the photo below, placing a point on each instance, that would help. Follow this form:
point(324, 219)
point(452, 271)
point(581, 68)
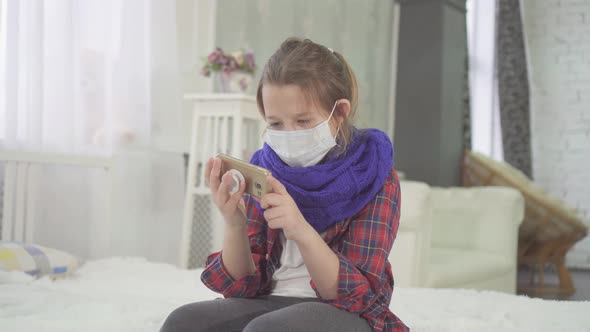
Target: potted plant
point(232, 72)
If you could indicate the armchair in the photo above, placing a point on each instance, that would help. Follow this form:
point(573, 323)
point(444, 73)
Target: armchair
point(457, 237)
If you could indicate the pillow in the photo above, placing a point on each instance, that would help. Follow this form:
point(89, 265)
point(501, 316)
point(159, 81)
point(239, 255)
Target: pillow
point(36, 260)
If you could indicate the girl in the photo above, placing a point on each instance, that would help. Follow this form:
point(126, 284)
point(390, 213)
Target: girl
point(312, 255)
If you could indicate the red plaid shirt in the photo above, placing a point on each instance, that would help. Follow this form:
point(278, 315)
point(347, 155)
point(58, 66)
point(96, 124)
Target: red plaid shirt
point(362, 244)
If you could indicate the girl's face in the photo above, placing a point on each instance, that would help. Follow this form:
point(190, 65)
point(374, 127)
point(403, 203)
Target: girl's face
point(287, 109)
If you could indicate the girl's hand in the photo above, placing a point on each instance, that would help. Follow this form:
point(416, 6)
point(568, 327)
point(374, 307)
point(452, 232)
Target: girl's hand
point(281, 211)
point(226, 202)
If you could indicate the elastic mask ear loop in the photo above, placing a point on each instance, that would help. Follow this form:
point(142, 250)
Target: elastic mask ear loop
point(263, 132)
point(337, 129)
point(336, 136)
point(333, 109)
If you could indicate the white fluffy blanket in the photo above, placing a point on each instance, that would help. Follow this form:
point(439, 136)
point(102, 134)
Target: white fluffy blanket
point(131, 294)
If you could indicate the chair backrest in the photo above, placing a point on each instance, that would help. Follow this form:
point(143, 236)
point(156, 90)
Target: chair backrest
point(547, 219)
point(481, 219)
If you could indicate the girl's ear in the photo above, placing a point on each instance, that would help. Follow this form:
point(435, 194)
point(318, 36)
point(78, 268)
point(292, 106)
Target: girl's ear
point(342, 110)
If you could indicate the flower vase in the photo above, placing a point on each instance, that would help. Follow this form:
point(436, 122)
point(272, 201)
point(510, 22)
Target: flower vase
point(220, 82)
point(234, 82)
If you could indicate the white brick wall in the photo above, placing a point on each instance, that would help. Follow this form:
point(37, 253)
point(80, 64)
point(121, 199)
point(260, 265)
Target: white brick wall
point(557, 34)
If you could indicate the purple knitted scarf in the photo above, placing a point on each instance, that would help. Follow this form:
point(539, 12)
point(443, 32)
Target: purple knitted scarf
point(339, 187)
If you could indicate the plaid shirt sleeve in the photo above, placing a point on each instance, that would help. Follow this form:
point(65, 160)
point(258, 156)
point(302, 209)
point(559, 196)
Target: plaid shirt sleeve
point(365, 283)
point(217, 278)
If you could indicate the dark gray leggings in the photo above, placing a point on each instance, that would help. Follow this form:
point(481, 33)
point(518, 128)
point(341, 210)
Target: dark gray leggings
point(266, 313)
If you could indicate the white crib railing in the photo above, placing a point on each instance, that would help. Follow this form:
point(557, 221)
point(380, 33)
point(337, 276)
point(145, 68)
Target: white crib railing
point(227, 123)
point(20, 183)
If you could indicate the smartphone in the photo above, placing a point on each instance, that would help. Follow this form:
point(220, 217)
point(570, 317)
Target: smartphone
point(254, 176)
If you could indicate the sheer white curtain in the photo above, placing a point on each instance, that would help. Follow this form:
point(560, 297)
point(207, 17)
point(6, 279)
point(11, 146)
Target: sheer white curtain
point(486, 132)
point(97, 77)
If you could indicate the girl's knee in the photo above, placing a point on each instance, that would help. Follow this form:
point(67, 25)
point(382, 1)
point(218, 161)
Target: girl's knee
point(262, 323)
point(182, 319)
point(290, 318)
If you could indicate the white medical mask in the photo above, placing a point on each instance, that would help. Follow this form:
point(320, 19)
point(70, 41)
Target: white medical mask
point(302, 148)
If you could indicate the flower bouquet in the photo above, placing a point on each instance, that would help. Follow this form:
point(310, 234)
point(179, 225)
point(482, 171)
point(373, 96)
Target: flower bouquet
point(233, 71)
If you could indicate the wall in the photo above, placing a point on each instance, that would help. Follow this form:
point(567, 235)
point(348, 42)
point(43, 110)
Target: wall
point(360, 30)
point(195, 21)
point(557, 33)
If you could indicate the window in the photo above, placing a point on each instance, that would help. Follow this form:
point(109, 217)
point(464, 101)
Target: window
point(486, 133)
point(3, 24)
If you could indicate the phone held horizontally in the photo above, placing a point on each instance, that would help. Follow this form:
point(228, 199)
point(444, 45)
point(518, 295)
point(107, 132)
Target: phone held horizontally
point(254, 176)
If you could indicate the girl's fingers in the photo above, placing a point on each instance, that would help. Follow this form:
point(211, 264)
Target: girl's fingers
point(276, 185)
point(208, 167)
point(235, 198)
point(215, 176)
point(224, 187)
point(272, 214)
point(269, 200)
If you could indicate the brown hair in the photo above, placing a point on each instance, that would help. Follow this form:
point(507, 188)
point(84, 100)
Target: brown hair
point(322, 74)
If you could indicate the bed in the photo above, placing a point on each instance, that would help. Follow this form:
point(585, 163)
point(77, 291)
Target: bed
point(132, 294)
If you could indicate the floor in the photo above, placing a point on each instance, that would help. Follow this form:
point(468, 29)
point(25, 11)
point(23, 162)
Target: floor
point(581, 280)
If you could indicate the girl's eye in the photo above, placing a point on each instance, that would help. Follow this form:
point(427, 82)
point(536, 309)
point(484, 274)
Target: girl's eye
point(302, 121)
point(273, 124)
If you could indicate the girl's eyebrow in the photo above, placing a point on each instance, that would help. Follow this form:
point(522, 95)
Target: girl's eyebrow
point(303, 113)
point(298, 114)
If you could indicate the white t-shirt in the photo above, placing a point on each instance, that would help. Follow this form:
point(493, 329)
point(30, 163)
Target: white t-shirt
point(292, 278)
